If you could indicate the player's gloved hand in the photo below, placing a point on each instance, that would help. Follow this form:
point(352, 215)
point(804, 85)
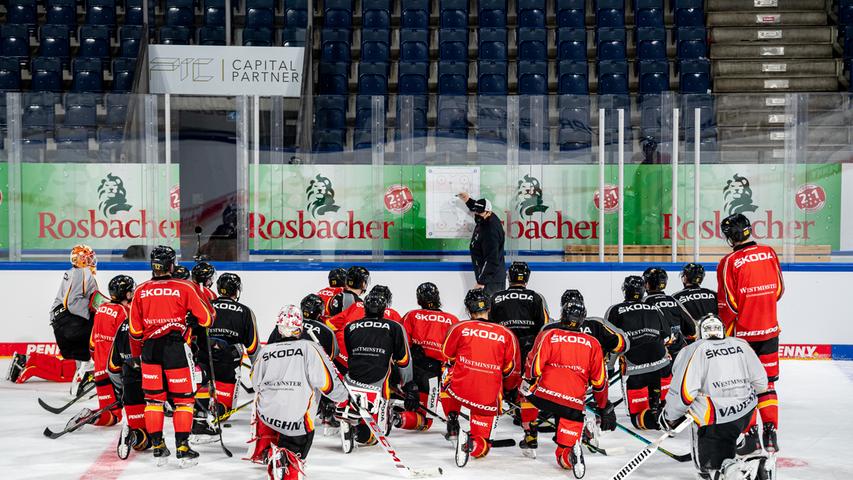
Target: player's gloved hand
point(608, 417)
point(412, 399)
point(135, 363)
point(666, 424)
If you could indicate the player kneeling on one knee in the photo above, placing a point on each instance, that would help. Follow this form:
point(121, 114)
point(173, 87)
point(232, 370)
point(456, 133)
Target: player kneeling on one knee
point(285, 376)
point(716, 381)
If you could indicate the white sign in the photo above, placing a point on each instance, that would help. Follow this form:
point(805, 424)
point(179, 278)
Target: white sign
point(447, 216)
point(216, 70)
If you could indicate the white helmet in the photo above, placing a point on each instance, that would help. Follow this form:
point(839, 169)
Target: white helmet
point(289, 321)
point(711, 327)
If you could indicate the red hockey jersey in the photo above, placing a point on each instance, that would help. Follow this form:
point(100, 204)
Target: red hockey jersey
point(327, 294)
point(428, 328)
point(108, 318)
point(749, 283)
point(355, 312)
point(484, 361)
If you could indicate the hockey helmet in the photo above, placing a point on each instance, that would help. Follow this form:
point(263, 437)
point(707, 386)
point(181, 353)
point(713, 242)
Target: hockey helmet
point(428, 296)
point(477, 301)
point(358, 277)
point(337, 277)
point(519, 272)
point(229, 284)
point(736, 228)
point(693, 274)
point(634, 288)
point(83, 256)
point(181, 272)
point(120, 286)
point(289, 322)
point(375, 304)
point(312, 306)
point(711, 327)
point(573, 314)
point(203, 273)
point(384, 291)
point(656, 279)
point(571, 295)
point(162, 259)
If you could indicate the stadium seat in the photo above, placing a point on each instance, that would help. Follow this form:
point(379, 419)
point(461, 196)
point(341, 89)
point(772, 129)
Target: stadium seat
point(375, 45)
point(612, 77)
point(532, 78)
point(330, 111)
point(414, 13)
point(259, 14)
point(95, 41)
point(532, 44)
point(845, 12)
point(213, 13)
point(101, 12)
point(73, 143)
point(46, 74)
point(611, 44)
point(129, 37)
point(10, 76)
point(452, 78)
point(492, 44)
point(653, 76)
point(363, 138)
point(414, 45)
point(258, 37)
point(452, 112)
point(175, 35)
point(364, 112)
point(707, 117)
point(651, 43)
point(571, 13)
point(179, 13)
point(81, 110)
point(110, 141)
point(38, 109)
point(491, 13)
point(694, 76)
point(333, 78)
point(376, 14)
point(531, 13)
point(134, 14)
point(123, 74)
point(610, 13)
point(533, 122)
point(571, 44)
point(689, 13)
point(372, 78)
point(116, 106)
point(572, 77)
point(451, 141)
point(336, 45)
point(453, 13)
point(210, 35)
point(491, 77)
point(61, 12)
point(412, 78)
point(296, 13)
point(575, 132)
point(650, 118)
point(690, 43)
point(293, 37)
point(337, 13)
point(21, 12)
point(491, 121)
point(419, 105)
point(54, 42)
point(453, 44)
point(329, 140)
point(15, 41)
point(34, 143)
point(87, 75)
point(648, 13)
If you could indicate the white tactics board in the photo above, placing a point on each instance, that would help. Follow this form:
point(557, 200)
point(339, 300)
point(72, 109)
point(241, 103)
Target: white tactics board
point(447, 216)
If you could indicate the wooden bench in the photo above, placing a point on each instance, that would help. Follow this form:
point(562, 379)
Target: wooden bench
point(663, 253)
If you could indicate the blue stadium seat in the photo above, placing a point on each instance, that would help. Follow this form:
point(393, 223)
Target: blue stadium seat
point(571, 13)
point(259, 14)
point(690, 43)
point(330, 111)
point(72, 144)
point(329, 140)
point(116, 106)
point(179, 13)
point(364, 111)
point(532, 78)
point(34, 143)
point(363, 138)
point(337, 13)
point(611, 44)
point(95, 41)
point(707, 117)
point(492, 77)
point(648, 13)
point(10, 76)
point(414, 13)
point(531, 13)
point(46, 74)
point(336, 45)
point(87, 75)
point(373, 78)
point(54, 42)
point(689, 13)
point(210, 35)
point(453, 44)
point(612, 77)
point(453, 13)
point(258, 37)
point(650, 118)
point(61, 12)
point(414, 45)
point(296, 13)
point(129, 37)
point(15, 41)
point(123, 74)
point(101, 12)
point(134, 14)
point(39, 109)
point(610, 13)
point(452, 112)
point(571, 44)
point(213, 13)
point(575, 132)
point(110, 140)
point(492, 44)
point(491, 13)
point(333, 78)
point(572, 77)
point(375, 45)
point(653, 76)
point(412, 78)
point(611, 103)
point(376, 14)
point(491, 121)
point(694, 76)
point(175, 35)
point(845, 12)
point(452, 78)
point(420, 108)
point(651, 43)
point(533, 123)
point(21, 12)
point(293, 37)
point(81, 110)
point(532, 44)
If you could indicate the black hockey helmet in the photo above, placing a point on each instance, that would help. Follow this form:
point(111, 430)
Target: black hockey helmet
point(337, 277)
point(358, 277)
point(229, 284)
point(312, 306)
point(202, 274)
point(693, 274)
point(120, 286)
point(519, 272)
point(375, 304)
point(162, 259)
point(477, 301)
point(736, 228)
point(634, 288)
point(571, 295)
point(573, 314)
point(384, 291)
point(656, 279)
point(428, 296)
point(181, 272)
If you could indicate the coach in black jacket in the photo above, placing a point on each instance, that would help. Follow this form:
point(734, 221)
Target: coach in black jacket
point(487, 246)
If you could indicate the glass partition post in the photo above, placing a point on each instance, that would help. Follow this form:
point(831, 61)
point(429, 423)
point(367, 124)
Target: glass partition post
point(13, 162)
point(512, 170)
point(601, 185)
point(796, 143)
point(242, 126)
point(697, 139)
point(675, 124)
point(377, 104)
point(621, 174)
point(150, 179)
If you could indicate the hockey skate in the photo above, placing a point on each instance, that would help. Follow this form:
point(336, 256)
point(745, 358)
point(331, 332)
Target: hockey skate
point(750, 442)
point(768, 437)
point(84, 375)
point(464, 445)
point(161, 452)
point(125, 440)
point(16, 366)
point(452, 427)
point(203, 432)
point(347, 433)
point(187, 457)
point(578, 464)
point(530, 442)
point(83, 417)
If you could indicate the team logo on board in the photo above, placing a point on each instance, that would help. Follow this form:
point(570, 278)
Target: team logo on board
point(112, 195)
point(321, 196)
point(528, 197)
point(738, 196)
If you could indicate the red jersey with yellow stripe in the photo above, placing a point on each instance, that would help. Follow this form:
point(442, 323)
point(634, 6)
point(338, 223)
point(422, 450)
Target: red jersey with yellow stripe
point(428, 328)
point(108, 318)
point(327, 294)
point(355, 312)
point(749, 283)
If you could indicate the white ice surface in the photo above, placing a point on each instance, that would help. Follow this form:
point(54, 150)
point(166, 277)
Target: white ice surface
point(816, 437)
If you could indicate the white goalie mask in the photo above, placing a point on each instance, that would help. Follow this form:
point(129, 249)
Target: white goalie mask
point(289, 321)
point(711, 327)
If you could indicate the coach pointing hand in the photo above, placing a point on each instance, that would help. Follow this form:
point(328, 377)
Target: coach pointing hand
point(487, 245)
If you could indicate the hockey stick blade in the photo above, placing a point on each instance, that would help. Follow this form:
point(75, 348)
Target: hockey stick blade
point(647, 452)
point(503, 443)
point(58, 410)
point(83, 421)
point(424, 472)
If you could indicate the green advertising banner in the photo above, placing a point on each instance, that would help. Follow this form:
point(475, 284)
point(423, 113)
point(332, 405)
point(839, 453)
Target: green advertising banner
point(4, 207)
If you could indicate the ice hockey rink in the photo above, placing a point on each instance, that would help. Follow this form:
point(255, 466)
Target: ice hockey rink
point(816, 436)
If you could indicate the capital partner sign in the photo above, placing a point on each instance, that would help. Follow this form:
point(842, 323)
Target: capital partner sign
point(216, 70)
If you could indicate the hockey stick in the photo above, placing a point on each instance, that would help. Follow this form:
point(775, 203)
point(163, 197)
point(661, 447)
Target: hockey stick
point(212, 388)
point(499, 443)
point(225, 416)
point(82, 421)
point(404, 470)
point(680, 458)
point(58, 410)
point(647, 452)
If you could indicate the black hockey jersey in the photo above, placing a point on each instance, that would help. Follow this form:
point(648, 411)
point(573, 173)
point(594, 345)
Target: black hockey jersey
point(324, 335)
point(374, 344)
point(648, 333)
point(120, 350)
point(681, 324)
point(342, 301)
point(522, 311)
point(234, 325)
point(697, 301)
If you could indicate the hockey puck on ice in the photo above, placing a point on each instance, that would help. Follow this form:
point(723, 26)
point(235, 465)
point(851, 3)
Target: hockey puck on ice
point(226, 425)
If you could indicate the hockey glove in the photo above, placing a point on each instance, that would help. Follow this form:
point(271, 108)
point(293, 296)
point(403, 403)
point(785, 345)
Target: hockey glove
point(135, 363)
point(608, 417)
point(412, 399)
point(668, 425)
